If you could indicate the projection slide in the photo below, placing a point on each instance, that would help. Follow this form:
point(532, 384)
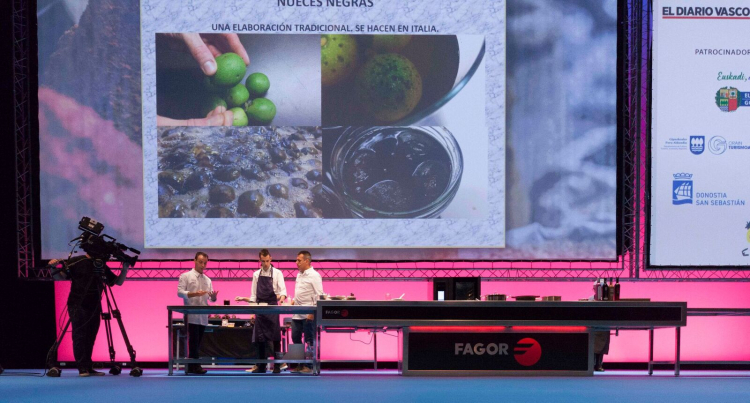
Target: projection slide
point(700, 185)
point(375, 129)
point(328, 133)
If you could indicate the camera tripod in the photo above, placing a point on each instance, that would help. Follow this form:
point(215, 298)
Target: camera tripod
point(107, 316)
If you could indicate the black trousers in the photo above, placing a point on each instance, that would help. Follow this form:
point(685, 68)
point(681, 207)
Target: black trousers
point(85, 322)
point(300, 326)
point(262, 348)
point(195, 337)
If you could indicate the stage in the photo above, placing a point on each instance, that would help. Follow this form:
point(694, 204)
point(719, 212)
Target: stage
point(483, 199)
point(381, 386)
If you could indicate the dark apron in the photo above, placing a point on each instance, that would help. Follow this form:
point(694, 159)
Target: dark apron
point(266, 326)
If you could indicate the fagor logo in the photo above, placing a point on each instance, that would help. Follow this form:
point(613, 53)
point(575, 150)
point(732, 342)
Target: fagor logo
point(343, 313)
point(527, 352)
point(480, 349)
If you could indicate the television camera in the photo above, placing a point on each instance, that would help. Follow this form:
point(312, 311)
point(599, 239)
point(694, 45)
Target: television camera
point(100, 248)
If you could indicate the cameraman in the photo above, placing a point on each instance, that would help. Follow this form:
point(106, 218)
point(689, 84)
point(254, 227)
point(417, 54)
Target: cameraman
point(87, 278)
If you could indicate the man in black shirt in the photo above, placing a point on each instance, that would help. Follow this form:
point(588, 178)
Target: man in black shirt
point(88, 277)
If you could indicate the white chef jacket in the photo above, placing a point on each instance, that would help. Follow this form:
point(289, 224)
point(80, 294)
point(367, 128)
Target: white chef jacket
point(308, 287)
point(193, 281)
point(279, 288)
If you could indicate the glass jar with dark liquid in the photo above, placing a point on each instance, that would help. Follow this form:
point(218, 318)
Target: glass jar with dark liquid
point(396, 172)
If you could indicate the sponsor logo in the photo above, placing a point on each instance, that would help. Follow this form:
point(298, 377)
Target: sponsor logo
point(697, 144)
point(747, 238)
point(698, 12)
point(738, 145)
point(675, 143)
point(480, 349)
point(527, 352)
point(717, 145)
point(683, 193)
point(682, 189)
point(728, 99)
point(337, 312)
point(731, 76)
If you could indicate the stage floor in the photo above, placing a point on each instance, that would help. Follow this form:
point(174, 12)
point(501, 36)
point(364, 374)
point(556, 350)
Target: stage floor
point(380, 386)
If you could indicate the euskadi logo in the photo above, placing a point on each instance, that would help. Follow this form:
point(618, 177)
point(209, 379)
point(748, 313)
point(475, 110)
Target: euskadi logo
point(747, 237)
point(728, 99)
point(697, 144)
point(527, 352)
point(682, 188)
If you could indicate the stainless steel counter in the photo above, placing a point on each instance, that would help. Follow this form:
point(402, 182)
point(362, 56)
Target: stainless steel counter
point(625, 314)
point(238, 309)
point(507, 317)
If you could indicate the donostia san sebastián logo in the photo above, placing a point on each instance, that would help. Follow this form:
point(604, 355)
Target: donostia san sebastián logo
point(683, 192)
point(728, 99)
point(682, 188)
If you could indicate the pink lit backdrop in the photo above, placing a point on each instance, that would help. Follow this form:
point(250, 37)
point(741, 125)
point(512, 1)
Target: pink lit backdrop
point(705, 338)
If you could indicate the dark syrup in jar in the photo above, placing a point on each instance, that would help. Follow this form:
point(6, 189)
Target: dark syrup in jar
point(397, 170)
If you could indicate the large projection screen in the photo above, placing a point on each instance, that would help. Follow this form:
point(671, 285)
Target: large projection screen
point(700, 143)
point(401, 130)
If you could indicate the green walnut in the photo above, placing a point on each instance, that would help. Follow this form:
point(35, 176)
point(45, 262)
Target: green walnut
point(237, 95)
point(338, 58)
point(230, 70)
point(211, 102)
point(261, 111)
point(239, 118)
point(389, 87)
point(257, 84)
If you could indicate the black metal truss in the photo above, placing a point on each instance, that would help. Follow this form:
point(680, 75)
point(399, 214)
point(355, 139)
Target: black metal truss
point(23, 137)
point(171, 270)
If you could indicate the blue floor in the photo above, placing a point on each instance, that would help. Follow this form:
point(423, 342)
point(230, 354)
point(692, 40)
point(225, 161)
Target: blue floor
point(376, 386)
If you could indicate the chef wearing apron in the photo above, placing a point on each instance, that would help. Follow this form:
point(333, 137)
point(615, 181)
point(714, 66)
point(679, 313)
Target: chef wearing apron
point(268, 287)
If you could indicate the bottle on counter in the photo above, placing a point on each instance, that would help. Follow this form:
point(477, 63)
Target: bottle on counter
point(611, 289)
point(605, 290)
point(617, 289)
point(598, 290)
